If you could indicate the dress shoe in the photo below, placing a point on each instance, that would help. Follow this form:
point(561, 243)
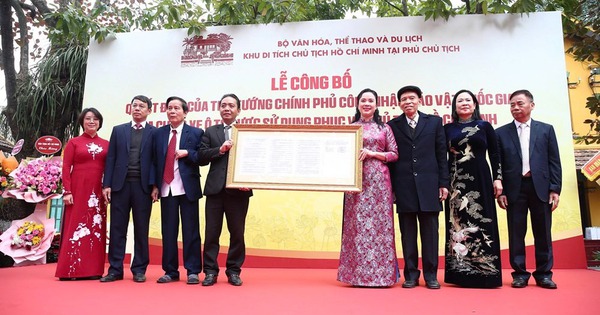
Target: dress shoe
point(139, 277)
point(408, 284)
point(193, 279)
point(167, 279)
point(518, 283)
point(546, 283)
point(210, 279)
point(432, 284)
point(234, 279)
point(111, 277)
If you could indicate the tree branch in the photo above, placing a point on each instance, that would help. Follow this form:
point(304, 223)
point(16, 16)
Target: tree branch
point(404, 9)
point(23, 37)
point(8, 59)
point(42, 7)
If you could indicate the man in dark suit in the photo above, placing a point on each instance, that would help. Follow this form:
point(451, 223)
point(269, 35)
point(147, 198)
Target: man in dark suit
point(176, 179)
point(420, 182)
point(233, 203)
point(532, 179)
point(126, 187)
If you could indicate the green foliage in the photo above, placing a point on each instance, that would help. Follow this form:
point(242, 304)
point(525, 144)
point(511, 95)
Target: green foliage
point(434, 9)
point(232, 12)
point(592, 137)
point(50, 100)
point(596, 255)
point(79, 24)
point(55, 87)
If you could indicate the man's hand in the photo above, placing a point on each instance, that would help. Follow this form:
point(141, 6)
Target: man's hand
point(502, 202)
point(154, 194)
point(226, 146)
point(443, 193)
point(554, 197)
point(106, 193)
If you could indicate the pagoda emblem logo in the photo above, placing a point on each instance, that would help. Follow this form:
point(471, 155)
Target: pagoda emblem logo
point(212, 50)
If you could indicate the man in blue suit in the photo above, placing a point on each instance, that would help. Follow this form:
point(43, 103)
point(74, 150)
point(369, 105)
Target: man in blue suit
point(126, 187)
point(420, 181)
point(532, 179)
point(176, 180)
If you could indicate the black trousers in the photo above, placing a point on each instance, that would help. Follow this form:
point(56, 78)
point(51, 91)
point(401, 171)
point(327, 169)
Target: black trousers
point(171, 207)
point(541, 225)
point(234, 209)
point(130, 199)
point(429, 230)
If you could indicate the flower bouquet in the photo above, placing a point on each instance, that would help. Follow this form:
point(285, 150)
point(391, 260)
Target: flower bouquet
point(28, 240)
point(7, 165)
point(28, 235)
point(36, 180)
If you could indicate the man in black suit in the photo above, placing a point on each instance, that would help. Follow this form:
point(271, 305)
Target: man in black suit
point(532, 179)
point(126, 187)
point(233, 203)
point(420, 181)
point(176, 179)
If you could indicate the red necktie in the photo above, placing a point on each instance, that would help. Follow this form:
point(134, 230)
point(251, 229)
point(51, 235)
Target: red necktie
point(169, 174)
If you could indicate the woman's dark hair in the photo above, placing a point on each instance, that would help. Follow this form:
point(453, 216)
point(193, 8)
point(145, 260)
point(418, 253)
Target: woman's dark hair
point(184, 104)
point(376, 117)
point(475, 116)
point(143, 99)
point(87, 110)
point(237, 100)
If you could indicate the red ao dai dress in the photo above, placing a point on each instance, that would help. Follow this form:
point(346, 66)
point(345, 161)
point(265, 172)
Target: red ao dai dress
point(368, 254)
point(83, 233)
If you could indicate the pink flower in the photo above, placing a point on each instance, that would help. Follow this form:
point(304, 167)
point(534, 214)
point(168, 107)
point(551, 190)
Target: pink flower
point(40, 177)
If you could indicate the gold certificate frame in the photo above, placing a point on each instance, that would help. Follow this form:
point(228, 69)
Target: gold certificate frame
point(294, 157)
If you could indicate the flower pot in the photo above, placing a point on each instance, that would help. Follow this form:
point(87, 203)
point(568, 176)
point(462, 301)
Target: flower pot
point(592, 246)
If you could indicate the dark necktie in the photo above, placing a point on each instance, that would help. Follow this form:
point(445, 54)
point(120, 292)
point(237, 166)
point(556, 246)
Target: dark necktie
point(169, 173)
point(227, 132)
point(413, 126)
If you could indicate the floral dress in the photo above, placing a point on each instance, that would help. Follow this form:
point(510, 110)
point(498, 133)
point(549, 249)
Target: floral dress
point(83, 233)
point(368, 253)
point(472, 242)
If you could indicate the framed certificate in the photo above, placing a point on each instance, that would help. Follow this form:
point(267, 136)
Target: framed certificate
point(293, 157)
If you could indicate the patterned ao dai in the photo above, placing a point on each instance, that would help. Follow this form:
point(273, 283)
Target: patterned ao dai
point(472, 241)
point(83, 233)
point(368, 253)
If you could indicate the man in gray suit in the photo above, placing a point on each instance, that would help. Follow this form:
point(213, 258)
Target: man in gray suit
point(420, 181)
point(532, 179)
point(221, 201)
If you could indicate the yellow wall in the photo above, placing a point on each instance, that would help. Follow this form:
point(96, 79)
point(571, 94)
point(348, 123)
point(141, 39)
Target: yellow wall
point(579, 91)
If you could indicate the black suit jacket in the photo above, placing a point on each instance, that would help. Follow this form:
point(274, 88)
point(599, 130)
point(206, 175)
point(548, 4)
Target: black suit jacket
point(115, 171)
point(422, 165)
point(212, 140)
point(188, 166)
point(544, 160)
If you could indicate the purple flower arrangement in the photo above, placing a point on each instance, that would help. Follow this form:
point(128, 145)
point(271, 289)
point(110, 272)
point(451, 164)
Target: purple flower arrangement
point(41, 177)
